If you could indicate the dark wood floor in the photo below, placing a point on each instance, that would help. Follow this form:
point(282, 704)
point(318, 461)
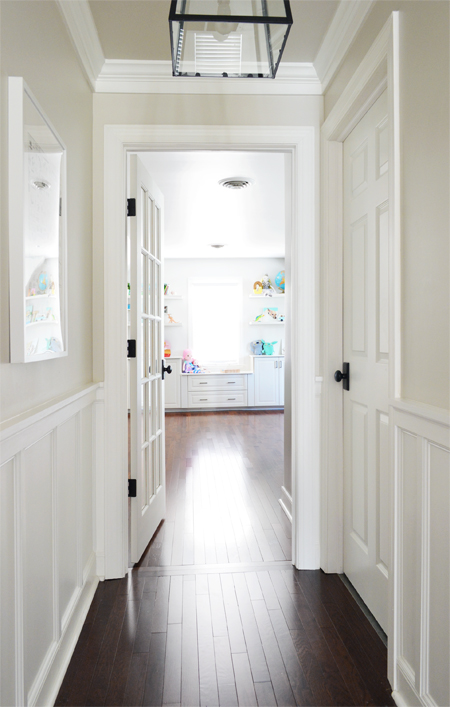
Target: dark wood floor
point(240, 626)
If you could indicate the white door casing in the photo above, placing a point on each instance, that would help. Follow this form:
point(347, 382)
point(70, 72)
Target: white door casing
point(300, 146)
point(146, 385)
point(366, 349)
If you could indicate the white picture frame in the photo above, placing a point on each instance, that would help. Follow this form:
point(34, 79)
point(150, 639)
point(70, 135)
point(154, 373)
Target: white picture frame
point(37, 223)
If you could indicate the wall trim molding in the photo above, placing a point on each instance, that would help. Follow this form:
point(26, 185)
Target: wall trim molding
point(300, 144)
point(345, 25)
point(156, 77)
point(80, 24)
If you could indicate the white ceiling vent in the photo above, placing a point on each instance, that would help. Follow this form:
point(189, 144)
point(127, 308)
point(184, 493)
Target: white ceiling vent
point(236, 182)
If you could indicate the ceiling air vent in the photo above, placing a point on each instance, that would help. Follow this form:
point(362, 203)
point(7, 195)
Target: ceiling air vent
point(236, 182)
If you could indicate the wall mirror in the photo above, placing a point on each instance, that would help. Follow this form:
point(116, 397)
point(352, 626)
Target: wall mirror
point(37, 230)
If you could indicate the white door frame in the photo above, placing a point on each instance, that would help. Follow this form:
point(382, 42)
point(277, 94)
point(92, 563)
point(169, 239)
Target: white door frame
point(379, 70)
point(300, 144)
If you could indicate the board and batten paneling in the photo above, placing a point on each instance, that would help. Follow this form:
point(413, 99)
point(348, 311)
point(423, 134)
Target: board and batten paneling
point(422, 552)
point(48, 564)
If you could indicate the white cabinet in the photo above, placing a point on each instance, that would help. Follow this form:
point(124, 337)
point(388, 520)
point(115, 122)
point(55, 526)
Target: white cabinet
point(172, 383)
point(216, 391)
point(269, 380)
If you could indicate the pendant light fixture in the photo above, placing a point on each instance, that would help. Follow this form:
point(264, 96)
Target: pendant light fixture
point(228, 38)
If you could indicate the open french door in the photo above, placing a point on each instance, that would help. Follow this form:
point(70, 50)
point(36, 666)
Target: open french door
point(146, 385)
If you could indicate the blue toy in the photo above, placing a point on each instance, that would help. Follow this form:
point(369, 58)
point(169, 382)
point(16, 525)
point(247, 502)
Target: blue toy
point(280, 280)
point(257, 347)
point(268, 347)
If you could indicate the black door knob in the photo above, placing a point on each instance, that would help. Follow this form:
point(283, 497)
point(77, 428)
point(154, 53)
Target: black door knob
point(343, 376)
point(165, 370)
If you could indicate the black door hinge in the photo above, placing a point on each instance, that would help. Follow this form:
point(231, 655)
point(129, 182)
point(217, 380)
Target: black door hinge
point(131, 207)
point(132, 488)
point(131, 348)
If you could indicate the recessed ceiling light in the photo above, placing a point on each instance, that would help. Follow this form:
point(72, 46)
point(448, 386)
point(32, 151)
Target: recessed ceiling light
point(217, 245)
point(236, 182)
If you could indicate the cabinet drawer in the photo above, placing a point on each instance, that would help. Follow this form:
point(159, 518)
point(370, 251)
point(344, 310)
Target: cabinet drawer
point(232, 382)
point(216, 399)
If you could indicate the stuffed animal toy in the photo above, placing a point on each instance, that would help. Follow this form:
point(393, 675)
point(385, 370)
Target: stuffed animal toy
point(256, 347)
point(267, 288)
point(189, 364)
point(268, 347)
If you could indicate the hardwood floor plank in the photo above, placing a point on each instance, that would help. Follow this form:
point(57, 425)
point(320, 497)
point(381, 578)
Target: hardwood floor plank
point(172, 668)
point(278, 675)
point(175, 600)
point(161, 605)
point(122, 658)
point(235, 631)
point(244, 683)
point(134, 691)
point(190, 684)
point(144, 624)
point(268, 590)
point(255, 651)
point(265, 694)
point(219, 620)
point(154, 684)
point(207, 666)
point(299, 684)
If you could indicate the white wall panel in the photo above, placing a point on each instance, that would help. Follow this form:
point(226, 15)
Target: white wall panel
point(7, 584)
point(439, 595)
point(422, 552)
point(66, 463)
point(409, 577)
point(358, 285)
point(383, 493)
point(38, 527)
point(47, 556)
point(87, 482)
point(359, 472)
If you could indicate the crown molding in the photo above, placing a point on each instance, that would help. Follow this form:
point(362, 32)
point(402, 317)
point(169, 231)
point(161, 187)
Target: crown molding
point(344, 27)
point(156, 77)
point(80, 24)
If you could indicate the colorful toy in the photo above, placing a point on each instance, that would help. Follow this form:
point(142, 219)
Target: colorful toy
point(256, 347)
point(268, 347)
point(167, 349)
point(258, 317)
point(171, 319)
point(190, 365)
point(271, 312)
point(280, 280)
point(267, 286)
point(257, 288)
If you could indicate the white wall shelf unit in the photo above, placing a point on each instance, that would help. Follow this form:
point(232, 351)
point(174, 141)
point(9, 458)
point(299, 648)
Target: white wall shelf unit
point(173, 296)
point(266, 298)
point(262, 323)
point(172, 325)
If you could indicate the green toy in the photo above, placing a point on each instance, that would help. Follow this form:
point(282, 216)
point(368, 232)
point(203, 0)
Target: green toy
point(267, 347)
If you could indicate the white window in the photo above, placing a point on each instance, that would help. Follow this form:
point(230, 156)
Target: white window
point(215, 319)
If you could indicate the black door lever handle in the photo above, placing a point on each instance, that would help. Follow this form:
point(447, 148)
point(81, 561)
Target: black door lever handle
point(165, 369)
point(344, 376)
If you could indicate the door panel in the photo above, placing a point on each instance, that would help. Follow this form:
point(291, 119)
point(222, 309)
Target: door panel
point(366, 326)
point(146, 386)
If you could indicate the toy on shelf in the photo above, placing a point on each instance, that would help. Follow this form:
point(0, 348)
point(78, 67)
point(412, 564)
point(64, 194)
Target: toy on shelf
point(256, 347)
point(171, 319)
point(259, 317)
point(268, 347)
point(167, 349)
point(257, 288)
point(190, 365)
point(280, 280)
point(267, 287)
point(273, 314)
point(166, 289)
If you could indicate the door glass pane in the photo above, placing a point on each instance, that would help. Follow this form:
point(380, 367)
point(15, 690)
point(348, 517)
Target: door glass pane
point(148, 229)
point(144, 475)
point(144, 325)
point(143, 216)
point(145, 391)
point(157, 473)
point(150, 286)
point(156, 351)
point(157, 232)
point(151, 485)
point(157, 282)
point(152, 225)
point(144, 289)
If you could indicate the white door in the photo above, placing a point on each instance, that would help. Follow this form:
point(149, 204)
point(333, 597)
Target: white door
point(266, 381)
point(280, 364)
point(366, 482)
point(146, 385)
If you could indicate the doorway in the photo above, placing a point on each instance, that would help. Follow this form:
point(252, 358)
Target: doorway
point(238, 335)
point(300, 146)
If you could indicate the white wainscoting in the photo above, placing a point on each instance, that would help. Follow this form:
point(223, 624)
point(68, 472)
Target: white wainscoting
point(48, 572)
point(421, 592)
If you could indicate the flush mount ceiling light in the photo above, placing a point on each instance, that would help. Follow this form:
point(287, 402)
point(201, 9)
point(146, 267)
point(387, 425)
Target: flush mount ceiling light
point(228, 38)
point(236, 182)
point(217, 245)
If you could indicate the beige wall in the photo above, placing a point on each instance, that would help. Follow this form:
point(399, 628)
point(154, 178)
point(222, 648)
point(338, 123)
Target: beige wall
point(424, 105)
point(172, 109)
point(36, 46)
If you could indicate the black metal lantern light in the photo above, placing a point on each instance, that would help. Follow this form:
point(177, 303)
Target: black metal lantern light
point(228, 38)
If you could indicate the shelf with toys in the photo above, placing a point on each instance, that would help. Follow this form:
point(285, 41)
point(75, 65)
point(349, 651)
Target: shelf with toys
point(173, 296)
point(265, 322)
point(274, 295)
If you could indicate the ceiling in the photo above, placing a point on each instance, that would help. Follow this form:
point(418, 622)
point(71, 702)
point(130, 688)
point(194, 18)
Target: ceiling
point(198, 212)
point(139, 29)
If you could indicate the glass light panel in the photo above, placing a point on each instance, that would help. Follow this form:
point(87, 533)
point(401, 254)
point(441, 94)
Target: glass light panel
point(144, 358)
point(151, 217)
point(144, 474)
point(155, 400)
point(143, 217)
point(143, 283)
point(157, 229)
point(157, 479)
point(153, 467)
point(228, 37)
point(157, 289)
point(144, 416)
